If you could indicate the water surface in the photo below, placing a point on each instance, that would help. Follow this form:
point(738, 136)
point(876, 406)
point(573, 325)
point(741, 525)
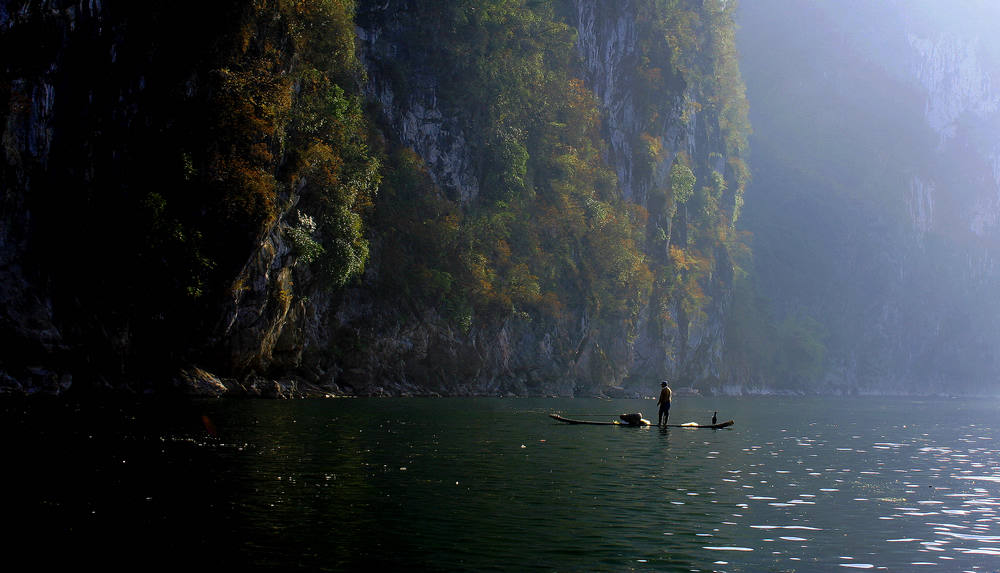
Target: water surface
point(805, 484)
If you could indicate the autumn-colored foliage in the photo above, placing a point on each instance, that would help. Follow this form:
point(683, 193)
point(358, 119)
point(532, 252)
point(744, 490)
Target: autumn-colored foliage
point(549, 235)
point(259, 129)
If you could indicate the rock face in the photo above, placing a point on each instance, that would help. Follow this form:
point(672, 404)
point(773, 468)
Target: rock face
point(954, 71)
point(416, 117)
point(902, 228)
point(82, 108)
point(607, 42)
point(516, 356)
point(27, 318)
point(277, 332)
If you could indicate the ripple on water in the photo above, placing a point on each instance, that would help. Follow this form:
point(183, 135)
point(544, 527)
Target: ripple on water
point(994, 479)
point(970, 537)
point(981, 551)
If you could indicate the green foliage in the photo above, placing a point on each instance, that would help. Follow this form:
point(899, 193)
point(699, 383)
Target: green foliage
point(278, 114)
point(549, 234)
point(281, 114)
point(548, 231)
point(257, 112)
point(682, 181)
point(787, 354)
point(304, 245)
point(800, 355)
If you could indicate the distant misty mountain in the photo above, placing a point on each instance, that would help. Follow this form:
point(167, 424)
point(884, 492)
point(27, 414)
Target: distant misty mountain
point(875, 201)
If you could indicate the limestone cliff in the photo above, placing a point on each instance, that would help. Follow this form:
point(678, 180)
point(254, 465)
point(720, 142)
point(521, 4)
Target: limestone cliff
point(887, 228)
point(197, 212)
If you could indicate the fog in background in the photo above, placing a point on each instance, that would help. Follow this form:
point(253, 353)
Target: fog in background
point(875, 204)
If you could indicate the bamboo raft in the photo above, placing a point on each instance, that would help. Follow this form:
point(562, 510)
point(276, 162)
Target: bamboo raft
point(642, 423)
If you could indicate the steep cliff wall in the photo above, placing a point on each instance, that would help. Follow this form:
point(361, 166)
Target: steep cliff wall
point(647, 124)
point(876, 216)
point(40, 351)
point(490, 224)
point(618, 58)
point(148, 177)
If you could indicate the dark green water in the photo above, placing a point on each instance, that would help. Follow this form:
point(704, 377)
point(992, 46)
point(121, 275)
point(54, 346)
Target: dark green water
point(829, 484)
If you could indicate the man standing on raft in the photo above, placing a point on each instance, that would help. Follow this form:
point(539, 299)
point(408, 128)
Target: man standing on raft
point(664, 403)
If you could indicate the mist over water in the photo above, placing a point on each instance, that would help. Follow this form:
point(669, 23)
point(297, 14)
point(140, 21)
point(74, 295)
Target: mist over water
point(875, 199)
point(493, 484)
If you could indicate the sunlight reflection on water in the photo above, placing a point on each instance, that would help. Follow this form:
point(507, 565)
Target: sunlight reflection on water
point(479, 484)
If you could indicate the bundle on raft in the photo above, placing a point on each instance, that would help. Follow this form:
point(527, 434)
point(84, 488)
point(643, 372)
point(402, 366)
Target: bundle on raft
point(636, 419)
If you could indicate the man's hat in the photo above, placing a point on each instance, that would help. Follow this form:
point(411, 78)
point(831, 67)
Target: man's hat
point(664, 383)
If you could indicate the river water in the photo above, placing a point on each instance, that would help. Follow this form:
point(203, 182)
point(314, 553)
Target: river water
point(797, 484)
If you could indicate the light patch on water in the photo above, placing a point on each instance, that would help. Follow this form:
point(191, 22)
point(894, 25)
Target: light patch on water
point(791, 538)
point(970, 537)
point(935, 450)
point(902, 540)
point(727, 548)
point(981, 551)
point(858, 565)
point(994, 479)
point(964, 495)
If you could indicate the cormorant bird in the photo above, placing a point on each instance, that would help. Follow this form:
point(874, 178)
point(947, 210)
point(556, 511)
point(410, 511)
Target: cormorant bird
point(714, 418)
